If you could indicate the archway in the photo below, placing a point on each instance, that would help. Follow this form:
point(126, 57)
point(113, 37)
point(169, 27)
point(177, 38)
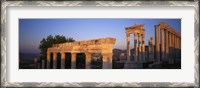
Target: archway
point(58, 60)
point(80, 60)
point(68, 60)
point(51, 61)
point(96, 61)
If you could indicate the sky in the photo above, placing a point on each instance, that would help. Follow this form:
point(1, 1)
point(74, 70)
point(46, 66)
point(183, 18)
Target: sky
point(32, 31)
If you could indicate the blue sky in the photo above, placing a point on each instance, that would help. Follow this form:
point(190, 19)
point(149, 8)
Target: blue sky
point(32, 31)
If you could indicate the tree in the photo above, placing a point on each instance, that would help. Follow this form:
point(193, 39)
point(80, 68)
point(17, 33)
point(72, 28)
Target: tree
point(45, 43)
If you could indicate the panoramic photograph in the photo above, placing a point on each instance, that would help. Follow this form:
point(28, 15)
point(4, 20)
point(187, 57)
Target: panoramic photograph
point(98, 43)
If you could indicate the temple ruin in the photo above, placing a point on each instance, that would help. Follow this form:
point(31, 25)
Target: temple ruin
point(165, 49)
point(169, 42)
point(139, 35)
point(104, 46)
point(167, 46)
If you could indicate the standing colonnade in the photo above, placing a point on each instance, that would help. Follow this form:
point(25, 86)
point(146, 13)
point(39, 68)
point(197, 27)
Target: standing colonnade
point(167, 43)
point(139, 45)
point(167, 48)
point(103, 46)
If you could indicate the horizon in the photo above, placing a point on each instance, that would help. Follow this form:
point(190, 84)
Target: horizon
point(32, 31)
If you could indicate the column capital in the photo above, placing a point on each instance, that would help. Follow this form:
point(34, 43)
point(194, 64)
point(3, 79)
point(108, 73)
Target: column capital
point(166, 30)
point(143, 36)
point(48, 52)
point(127, 34)
point(162, 28)
point(62, 52)
point(55, 52)
point(156, 26)
point(88, 53)
point(73, 53)
point(134, 33)
point(139, 34)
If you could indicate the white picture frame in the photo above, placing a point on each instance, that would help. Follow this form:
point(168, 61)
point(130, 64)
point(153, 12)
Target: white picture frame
point(136, 4)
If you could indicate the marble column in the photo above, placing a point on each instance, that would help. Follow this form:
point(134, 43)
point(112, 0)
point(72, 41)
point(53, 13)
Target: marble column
point(88, 60)
point(151, 50)
point(157, 51)
point(55, 60)
point(128, 46)
point(143, 48)
point(48, 60)
point(139, 47)
point(136, 47)
point(172, 49)
point(73, 60)
point(162, 43)
point(62, 60)
point(175, 47)
point(35, 62)
point(167, 45)
point(43, 64)
point(107, 61)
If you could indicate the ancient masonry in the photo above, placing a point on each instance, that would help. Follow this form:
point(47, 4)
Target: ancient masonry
point(167, 45)
point(104, 46)
point(167, 48)
point(151, 50)
point(139, 35)
point(169, 42)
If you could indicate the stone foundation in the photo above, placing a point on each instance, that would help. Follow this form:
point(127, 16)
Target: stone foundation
point(133, 65)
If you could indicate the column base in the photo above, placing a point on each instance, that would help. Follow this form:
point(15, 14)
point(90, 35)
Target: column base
point(133, 65)
point(73, 66)
point(62, 64)
point(107, 65)
point(54, 64)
